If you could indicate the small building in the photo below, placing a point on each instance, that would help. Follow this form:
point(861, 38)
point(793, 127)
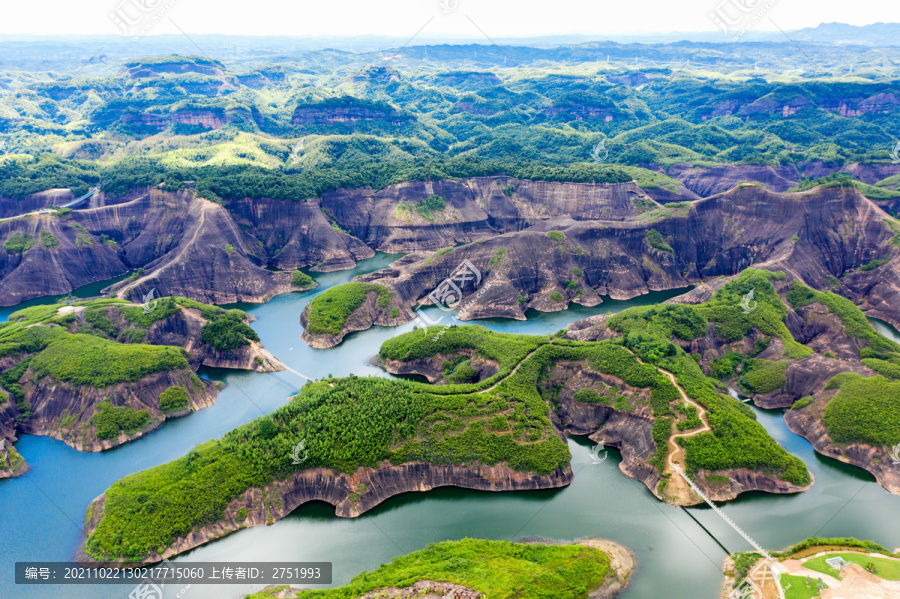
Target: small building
point(189, 184)
point(836, 562)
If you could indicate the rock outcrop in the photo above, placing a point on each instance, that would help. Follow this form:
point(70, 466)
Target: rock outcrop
point(299, 234)
point(477, 208)
point(43, 405)
point(708, 181)
point(182, 329)
point(434, 370)
point(350, 494)
point(364, 317)
point(815, 236)
point(197, 252)
point(730, 483)
point(192, 247)
point(52, 262)
point(11, 463)
point(879, 461)
point(185, 246)
point(66, 412)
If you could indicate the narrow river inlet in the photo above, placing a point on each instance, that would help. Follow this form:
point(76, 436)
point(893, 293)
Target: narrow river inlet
point(679, 551)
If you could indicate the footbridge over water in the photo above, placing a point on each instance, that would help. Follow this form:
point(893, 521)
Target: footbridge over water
point(773, 565)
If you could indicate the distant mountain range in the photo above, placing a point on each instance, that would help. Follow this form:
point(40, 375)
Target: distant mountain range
point(876, 34)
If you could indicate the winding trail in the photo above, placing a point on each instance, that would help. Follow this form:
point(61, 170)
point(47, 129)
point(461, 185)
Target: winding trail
point(513, 371)
point(175, 259)
point(44, 211)
point(679, 488)
point(679, 492)
point(674, 447)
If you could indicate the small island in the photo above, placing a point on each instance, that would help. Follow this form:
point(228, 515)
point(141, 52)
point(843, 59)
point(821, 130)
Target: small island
point(481, 569)
point(341, 310)
point(98, 373)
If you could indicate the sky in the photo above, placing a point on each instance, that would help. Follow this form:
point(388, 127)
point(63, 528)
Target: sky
point(404, 18)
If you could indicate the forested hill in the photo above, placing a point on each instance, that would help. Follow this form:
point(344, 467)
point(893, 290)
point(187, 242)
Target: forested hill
point(328, 119)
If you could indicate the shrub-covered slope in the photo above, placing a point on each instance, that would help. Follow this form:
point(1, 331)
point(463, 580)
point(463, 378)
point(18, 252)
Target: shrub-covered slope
point(98, 373)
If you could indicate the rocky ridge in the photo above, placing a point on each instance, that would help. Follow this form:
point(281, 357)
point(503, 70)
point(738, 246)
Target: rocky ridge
point(68, 412)
point(816, 236)
point(881, 462)
point(192, 247)
point(350, 494)
point(835, 351)
point(629, 429)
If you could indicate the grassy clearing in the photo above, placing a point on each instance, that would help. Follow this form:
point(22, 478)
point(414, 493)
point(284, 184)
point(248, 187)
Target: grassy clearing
point(657, 241)
point(228, 331)
point(18, 243)
point(173, 399)
point(882, 567)
point(764, 377)
point(819, 544)
point(426, 208)
point(801, 587)
point(111, 420)
point(48, 240)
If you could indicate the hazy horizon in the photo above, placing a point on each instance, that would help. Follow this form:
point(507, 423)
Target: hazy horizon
point(425, 19)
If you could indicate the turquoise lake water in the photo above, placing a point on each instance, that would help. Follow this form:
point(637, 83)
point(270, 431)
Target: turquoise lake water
point(679, 551)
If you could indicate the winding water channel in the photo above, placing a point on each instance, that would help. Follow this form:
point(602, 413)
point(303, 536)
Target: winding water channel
point(679, 552)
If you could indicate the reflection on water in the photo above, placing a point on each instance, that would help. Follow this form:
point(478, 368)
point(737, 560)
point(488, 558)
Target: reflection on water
point(886, 329)
point(677, 556)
